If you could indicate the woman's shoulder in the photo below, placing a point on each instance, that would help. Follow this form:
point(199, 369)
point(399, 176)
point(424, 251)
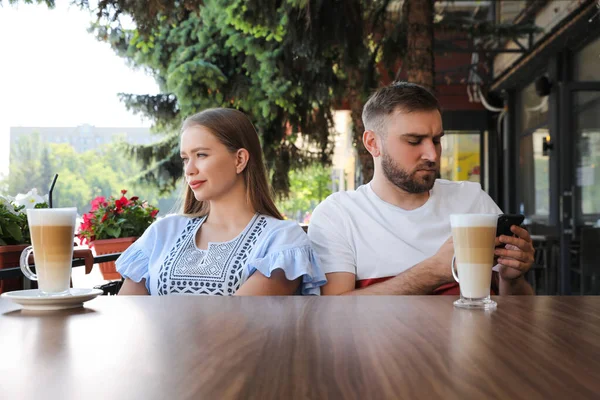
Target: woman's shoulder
point(282, 232)
point(282, 224)
point(172, 222)
point(287, 247)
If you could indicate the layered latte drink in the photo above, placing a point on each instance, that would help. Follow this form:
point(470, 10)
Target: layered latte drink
point(474, 242)
point(52, 234)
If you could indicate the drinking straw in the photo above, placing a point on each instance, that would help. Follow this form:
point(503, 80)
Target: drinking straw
point(51, 189)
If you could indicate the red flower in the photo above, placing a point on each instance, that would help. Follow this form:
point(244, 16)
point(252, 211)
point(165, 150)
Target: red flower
point(97, 202)
point(120, 203)
point(115, 216)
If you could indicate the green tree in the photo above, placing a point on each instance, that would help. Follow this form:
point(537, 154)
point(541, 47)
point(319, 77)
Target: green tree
point(308, 187)
point(46, 173)
point(210, 58)
point(419, 62)
point(101, 172)
point(82, 177)
point(285, 63)
point(26, 168)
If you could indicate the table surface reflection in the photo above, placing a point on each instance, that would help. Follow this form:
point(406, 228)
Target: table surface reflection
point(413, 347)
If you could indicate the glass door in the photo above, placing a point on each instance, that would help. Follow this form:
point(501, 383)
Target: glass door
point(586, 129)
point(579, 176)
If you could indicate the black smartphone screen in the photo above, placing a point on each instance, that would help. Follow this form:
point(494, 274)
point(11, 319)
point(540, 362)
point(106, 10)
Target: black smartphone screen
point(505, 221)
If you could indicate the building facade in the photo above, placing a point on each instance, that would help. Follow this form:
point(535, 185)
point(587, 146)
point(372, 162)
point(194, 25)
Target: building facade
point(547, 157)
point(84, 137)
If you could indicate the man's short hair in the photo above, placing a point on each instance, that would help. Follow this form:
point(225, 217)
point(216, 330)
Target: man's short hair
point(405, 97)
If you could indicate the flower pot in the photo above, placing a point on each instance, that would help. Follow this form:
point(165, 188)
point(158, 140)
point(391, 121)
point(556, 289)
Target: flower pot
point(109, 246)
point(9, 258)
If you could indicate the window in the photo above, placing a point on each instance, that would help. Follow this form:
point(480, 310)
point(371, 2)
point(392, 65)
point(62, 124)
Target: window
point(587, 145)
point(534, 166)
point(534, 170)
point(461, 158)
point(587, 62)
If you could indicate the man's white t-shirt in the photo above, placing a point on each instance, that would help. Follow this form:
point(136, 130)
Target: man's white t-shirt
point(357, 232)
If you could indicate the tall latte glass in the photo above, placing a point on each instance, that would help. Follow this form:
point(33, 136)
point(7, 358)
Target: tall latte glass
point(52, 233)
point(474, 242)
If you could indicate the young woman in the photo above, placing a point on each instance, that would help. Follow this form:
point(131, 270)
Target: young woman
point(230, 238)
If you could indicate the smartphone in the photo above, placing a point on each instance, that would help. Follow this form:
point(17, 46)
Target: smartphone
point(505, 221)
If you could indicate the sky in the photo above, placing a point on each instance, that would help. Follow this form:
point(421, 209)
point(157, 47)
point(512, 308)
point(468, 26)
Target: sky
point(54, 73)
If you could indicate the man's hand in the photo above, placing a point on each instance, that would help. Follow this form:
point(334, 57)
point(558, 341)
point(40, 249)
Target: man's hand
point(517, 256)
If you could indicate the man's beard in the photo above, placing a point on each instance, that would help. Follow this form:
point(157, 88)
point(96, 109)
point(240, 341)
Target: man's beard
point(408, 181)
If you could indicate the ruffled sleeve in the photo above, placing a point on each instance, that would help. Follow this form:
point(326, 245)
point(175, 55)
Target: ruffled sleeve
point(287, 247)
point(134, 263)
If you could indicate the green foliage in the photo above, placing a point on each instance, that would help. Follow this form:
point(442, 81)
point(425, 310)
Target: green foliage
point(286, 64)
point(308, 187)
point(28, 154)
point(12, 223)
point(82, 177)
point(214, 58)
point(14, 228)
point(48, 3)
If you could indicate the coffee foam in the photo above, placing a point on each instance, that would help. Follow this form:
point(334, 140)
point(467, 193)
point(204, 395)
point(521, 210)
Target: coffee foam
point(52, 216)
point(473, 220)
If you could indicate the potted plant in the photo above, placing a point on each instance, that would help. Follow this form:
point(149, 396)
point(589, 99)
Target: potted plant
point(113, 224)
point(14, 232)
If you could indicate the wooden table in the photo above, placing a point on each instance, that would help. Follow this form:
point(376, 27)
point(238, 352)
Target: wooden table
point(181, 347)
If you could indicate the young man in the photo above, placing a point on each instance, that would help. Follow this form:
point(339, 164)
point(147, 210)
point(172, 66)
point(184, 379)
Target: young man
point(393, 235)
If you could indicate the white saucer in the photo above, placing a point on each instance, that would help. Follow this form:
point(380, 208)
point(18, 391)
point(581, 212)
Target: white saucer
point(33, 299)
